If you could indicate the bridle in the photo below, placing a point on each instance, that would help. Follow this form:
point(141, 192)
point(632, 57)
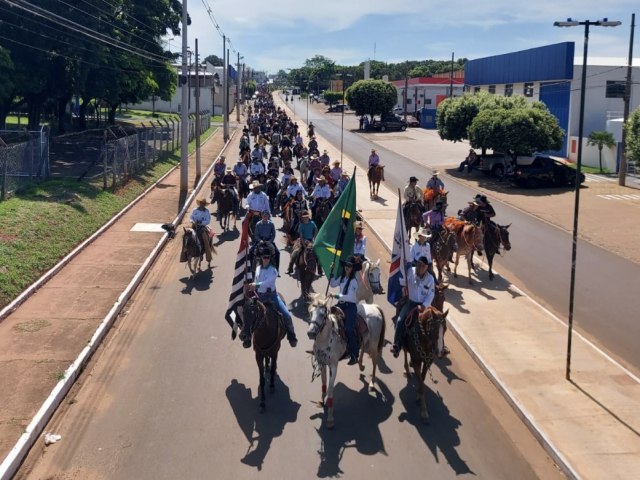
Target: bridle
point(374, 280)
point(324, 315)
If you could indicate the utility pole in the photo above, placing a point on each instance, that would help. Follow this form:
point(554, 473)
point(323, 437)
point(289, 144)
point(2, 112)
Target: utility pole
point(622, 171)
point(198, 158)
point(184, 114)
point(225, 98)
point(226, 95)
point(238, 90)
point(406, 88)
point(451, 78)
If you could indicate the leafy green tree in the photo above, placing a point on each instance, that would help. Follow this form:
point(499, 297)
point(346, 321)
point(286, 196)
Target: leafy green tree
point(214, 60)
point(517, 131)
point(6, 85)
point(331, 97)
point(601, 139)
point(371, 97)
point(632, 130)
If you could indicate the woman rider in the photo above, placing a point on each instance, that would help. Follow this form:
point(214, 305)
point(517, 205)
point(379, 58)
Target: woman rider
point(347, 303)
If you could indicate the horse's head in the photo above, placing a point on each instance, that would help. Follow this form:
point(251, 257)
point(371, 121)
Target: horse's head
point(503, 234)
point(373, 275)
point(319, 313)
point(439, 297)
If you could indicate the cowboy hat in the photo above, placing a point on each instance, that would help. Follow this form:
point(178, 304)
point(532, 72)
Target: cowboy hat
point(435, 173)
point(412, 179)
point(337, 162)
point(293, 179)
point(202, 202)
point(321, 178)
point(228, 169)
point(359, 225)
point(352, 262)
point(255, 184)
point(325, 151)
point(222, 157)
point(474, 203)
point(424, 260)
point(423, 232)
point(314, 157)
point(305, 214)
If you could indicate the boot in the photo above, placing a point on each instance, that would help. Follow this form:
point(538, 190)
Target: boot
point(291, 337)
point(395, 350)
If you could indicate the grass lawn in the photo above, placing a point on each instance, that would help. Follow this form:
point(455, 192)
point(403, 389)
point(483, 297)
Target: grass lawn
point(41, 225)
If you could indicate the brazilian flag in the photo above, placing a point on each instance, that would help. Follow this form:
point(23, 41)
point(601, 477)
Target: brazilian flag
point(335, 240)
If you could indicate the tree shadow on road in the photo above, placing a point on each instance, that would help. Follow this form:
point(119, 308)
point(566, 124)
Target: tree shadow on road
point(358, 417)
point(261, 428)
point(440, 435)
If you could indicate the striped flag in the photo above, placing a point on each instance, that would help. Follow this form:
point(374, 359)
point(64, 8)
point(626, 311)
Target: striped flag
point(399, 256)
point(240, 277)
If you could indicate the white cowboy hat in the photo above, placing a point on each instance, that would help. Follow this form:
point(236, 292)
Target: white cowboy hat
point(255, 184)
point(435, 173)
point(423, 232)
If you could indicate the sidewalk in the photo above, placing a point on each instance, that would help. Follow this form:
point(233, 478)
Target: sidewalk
point(590, 426)
point(49, 331)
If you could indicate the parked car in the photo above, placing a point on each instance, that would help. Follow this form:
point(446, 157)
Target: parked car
point(398, 110)
point(412, 121)
point(389, 121)
point(338, 108)
point(545, 171)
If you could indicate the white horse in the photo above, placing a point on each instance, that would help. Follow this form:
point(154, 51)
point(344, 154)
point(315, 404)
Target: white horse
point(369, 284)
point(330, 345)
point(304, 170)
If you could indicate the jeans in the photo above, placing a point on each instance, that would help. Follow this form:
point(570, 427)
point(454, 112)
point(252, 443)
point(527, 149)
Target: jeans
point(398, 338)
point(350, 312)
point(277, 302)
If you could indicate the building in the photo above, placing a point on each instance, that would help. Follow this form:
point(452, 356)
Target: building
point(424, 94)
point(210, 92)
point(552, 75)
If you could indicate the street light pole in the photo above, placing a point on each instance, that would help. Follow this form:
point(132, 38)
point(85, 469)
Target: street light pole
point(572, 23)
point(342, 121)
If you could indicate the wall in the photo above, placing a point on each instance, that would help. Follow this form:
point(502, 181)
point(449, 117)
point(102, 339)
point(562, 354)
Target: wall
point(590, 154)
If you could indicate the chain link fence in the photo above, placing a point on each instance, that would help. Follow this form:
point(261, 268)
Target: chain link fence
point(130, 150)
point(24, 159)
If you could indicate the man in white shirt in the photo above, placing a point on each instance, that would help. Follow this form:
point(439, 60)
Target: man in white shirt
point(257, 200)
point(256, 168)
point(294, 187)
point(420, 288)
point(202, 216)
point(321, 190)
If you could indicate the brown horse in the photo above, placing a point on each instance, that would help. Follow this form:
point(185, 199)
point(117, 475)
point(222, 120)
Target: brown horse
point(267, 331)
point(224, 197)
point(375, 177)
point(412, 211)
point(442, 247)
point(306, 268)
point(495, 236)
point(323, 207)
point(421, 340)
point(469, 239)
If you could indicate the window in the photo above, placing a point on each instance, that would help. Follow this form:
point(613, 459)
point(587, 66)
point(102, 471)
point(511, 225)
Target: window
point(427, 101)
point(508, 89)
point(528, 89)
point(408, 101)
point(615, 89)
point(492, 89)
point(476, 89)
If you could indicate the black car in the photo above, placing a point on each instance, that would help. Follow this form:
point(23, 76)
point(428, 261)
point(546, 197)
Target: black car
point(338, 108)
point(545, 171)
point(389, 121)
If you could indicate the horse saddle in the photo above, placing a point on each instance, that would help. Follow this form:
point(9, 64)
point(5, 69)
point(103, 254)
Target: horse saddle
point(361, 324)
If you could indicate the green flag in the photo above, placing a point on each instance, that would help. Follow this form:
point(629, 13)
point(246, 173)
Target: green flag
point(334, 241)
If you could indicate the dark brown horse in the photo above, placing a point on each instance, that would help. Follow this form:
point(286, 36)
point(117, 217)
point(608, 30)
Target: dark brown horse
point(267, 331)
point(495, 236)
point(421, 340)
point(323, 207)
point(442, 247)
point(306, 268)
point(224, 198)
point(412, 211)
point(375, 177)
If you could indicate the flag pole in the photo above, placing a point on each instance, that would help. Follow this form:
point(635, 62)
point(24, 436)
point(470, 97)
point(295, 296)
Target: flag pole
point(402, 230)
point(335, 254)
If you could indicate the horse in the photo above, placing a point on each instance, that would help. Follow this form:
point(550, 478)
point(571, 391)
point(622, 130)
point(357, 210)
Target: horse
point(375, 177)
point(272, 189)
point(303, 166)
point(442, 247)
point(192, 251)
point(330, 344)
point(412, 212)
point(370, 283)
point(323, 207)
point(224, 197)
point(495, 236)
point(242, 188)
point(469, 239)
point(306, 268)
point(421, 339)
point(431, 196)
point(267, 331)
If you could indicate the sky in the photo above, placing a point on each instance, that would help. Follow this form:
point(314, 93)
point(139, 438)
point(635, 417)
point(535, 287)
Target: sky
point(279, 34)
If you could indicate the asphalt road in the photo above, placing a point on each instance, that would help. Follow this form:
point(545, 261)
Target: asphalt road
point(171, 396)
point(605, 309)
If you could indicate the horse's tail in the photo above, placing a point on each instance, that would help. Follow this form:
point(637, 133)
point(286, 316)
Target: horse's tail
point(382, 331)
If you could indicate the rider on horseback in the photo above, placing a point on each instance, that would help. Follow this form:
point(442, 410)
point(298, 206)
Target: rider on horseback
point(374, 161)
point(201, 218)
point(420, 288)
point(265, 231)
point(219, 167)
point(256, 169)
point(265, 285)
point(360, 243)
point(294, 187)
point(422, 248)
point(229, 181)
point(435, 183)
point(347, 303)
point(434, 219)
point(307, 230)
point(322, 191)
point(412, 194)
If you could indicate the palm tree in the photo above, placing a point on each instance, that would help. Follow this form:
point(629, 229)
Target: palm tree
point(601, 138)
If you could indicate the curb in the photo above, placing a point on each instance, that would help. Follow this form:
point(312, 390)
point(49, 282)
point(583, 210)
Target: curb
point(16, 456)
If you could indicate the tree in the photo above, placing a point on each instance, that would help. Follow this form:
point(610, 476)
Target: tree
point(6, 85)
point(601, 139)
point(214, 60)
point(517, 131)
point(331, 97)
point(632, 130)
point(371, 97)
